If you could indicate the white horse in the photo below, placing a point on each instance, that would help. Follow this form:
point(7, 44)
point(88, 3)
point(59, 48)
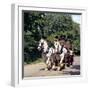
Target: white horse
point(46, 51)
point(64, 53)
point(52, 54)
point(58, 48)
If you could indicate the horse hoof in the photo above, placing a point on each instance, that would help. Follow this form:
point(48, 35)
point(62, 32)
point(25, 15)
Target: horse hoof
point(62, 67)
point(58, 68)
point(68, 65)
point(46, 69)
point(71, 66)
point(54, 69)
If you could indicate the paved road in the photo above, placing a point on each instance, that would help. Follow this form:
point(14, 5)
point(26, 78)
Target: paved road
point(36, 70)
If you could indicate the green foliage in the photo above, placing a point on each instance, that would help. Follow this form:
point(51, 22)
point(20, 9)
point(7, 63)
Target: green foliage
point(38, 24)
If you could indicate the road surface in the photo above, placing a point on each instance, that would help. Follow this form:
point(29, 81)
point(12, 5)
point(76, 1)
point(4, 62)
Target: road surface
point(38, 69)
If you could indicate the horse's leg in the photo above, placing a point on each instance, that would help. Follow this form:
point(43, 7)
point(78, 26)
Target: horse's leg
point(53, 66)
point(71, 60)
point(71, 57)
point(61, 64)
point(66, 60)
point(47, 61)
point(46, 68)
point(62, 58)
point(48, 64)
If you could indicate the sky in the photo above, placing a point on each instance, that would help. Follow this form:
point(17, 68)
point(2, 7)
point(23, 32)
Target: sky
point(76, 18)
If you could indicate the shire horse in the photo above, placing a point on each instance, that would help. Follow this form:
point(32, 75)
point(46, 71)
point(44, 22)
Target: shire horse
point(46, 53)
point(59, 55)
point(49, 55)
point(64, 51)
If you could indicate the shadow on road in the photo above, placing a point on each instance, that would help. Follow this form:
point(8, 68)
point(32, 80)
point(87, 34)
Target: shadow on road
point(72, 72)
point(42, 69)
point(76, 67)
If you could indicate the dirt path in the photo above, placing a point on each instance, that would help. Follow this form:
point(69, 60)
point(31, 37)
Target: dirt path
point(35, 70)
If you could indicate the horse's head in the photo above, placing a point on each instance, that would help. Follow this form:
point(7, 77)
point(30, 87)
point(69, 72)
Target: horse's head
point(41, 45)
point(56, 45)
